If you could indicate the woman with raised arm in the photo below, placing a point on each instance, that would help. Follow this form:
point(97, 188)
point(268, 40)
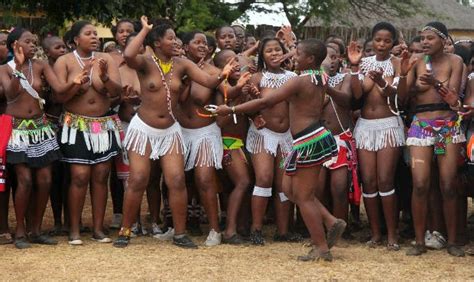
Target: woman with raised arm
point(32, 146)
point(89, 135)
point(153, 132)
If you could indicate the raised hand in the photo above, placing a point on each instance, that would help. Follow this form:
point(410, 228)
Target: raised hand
point(103, 66)
point(19, 54)
point(253, 91)
point(82, 78)
point(244, 78)
point(406, 63)
point(145, 24)
point(376, 76)
point(354, 54)
point(231, 67)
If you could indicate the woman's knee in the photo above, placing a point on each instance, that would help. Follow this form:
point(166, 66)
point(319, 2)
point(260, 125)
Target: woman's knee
point(137, 182)
point(25, 181)
point(176, 181)
point(421, 187)
point(448, 189)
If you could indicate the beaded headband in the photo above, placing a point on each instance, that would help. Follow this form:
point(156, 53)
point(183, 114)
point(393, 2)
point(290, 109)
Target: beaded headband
point(435, 30)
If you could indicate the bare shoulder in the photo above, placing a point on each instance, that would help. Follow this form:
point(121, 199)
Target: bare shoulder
point(453, 58)
point(211, 69)
point(65, 58)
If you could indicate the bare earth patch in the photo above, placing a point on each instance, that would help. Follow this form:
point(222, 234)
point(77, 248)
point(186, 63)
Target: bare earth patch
point(149, 259)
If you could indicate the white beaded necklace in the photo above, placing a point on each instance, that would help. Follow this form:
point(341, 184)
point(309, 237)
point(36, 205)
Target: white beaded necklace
point(333, 81)
point(80, 60)
point(370, 64)
point(275, 80)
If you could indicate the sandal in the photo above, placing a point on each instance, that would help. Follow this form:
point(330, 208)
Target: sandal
point(335, 232)
point(22, 243)
point(393, 247)
point(256, 237)
point(123, 239)
point(233, 240)
point(289, 237)
point(314, 255)
point(5, 238)
point(42, 240)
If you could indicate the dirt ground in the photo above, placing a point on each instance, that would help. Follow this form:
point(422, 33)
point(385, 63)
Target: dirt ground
point(149, 259)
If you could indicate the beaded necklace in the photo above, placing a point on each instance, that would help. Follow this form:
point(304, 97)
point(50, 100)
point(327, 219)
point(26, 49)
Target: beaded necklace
point(166, 84)
point(317, 76)
point(334, 80)
point(275, 80)
point(80, 60)
point(370, 64)
point(165, 67)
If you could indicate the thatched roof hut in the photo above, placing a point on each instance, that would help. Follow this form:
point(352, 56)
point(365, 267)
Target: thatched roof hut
point(458, 18)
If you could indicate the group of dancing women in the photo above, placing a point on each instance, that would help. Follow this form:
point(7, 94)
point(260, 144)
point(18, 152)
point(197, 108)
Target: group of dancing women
point(213, 128)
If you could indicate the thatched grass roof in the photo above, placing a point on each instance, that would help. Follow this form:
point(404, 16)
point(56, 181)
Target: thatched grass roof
point(454, 15)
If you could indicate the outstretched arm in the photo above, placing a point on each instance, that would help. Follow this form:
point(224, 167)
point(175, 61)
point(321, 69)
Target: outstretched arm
point(276, 96)
point(132, 58)
point(206, 80)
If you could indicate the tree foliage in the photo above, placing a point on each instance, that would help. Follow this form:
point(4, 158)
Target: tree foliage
point(300, 12)
point(186, 14)
point(204, 14)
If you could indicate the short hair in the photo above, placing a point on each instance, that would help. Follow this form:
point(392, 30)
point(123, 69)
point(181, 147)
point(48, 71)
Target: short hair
point(463, 52)
point(211, 41)
point(416, 39)
point(385, 26)
point(189, 36)
point(114, 28)
point(77, 27)
point(341, 47)
point(48, 42)
point(13, 36)
point(129, 37)
point(219, 58)
point(440, 27)
point(219, 29)
point(314, 47)
point(156, 33)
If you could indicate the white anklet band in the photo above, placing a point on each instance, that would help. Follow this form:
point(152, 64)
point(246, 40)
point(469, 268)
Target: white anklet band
point(385, 194)
point(262, 192)
point(370, 196)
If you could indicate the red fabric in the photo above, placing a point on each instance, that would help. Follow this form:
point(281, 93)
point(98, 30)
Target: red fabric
point(347, 156)
point(6, 126)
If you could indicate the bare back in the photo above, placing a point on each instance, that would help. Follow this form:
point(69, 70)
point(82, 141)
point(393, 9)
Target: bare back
point(306, 106)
